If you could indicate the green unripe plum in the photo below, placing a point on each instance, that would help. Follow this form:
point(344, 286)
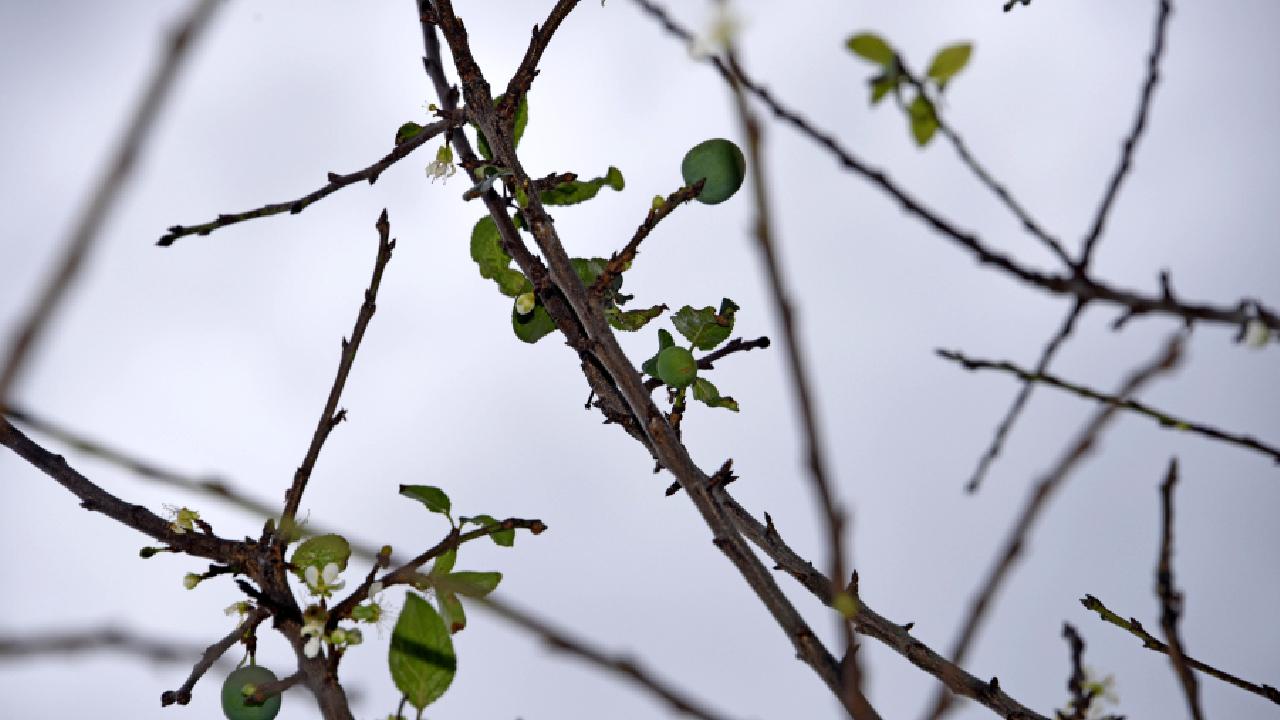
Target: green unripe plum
point(676, 366)
point(721, 163)
point(234, 704)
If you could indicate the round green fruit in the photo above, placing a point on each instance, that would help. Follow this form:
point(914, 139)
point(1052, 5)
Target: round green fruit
point(676, 366)
point(721, 163)
point(233, 695)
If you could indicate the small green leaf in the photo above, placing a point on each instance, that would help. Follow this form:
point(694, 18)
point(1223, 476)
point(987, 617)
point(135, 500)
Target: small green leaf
point(705, 328)
point(948, 61)
point(505, 538)
point(923, 121)
point(650, 366)
point(870, 46)
point(470, 584)
point(631, 320)
point(495, 264)
point(533, 326)
point(421, 660)
point(451, 611)
point(320, 551)
point(588, 269)
point(512, 283)
point(576, 191)
point(407, 132)
point(444, 563)
point(882, 85)
point(433, 497)
point(707, 393)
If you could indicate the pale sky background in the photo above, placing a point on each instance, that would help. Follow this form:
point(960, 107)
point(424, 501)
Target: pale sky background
point(216, 355)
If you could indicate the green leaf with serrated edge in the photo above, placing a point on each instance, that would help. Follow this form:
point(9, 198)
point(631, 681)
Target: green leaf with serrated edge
point(421, 659)
point(576, 191)
point(707, 393)
point(444, 563)
point(705, 328)
point(407, 131)
point(533, 326)
point(631, 320)
point(948, 61)
point(320, 551)
point(522, 119)
point(505, 538)
point(433, 497)
point(470, 584)
point(870, 46)
point(451, 611)
point(923, 122)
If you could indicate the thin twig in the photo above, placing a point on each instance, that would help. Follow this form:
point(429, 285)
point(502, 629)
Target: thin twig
point(868, 622)
point(620, 261)
point(23, 648)
point(1171, 599)
point(1081, 700)
point(1165, 419)
point(817, 465)
point(1077, 285)
point(707, 362)
point(331, 415)
point(336, 183)
point(1135, 134)
point(268, 690)
point(76, 247)
point(1151, 642)
point(1044, 489)
point(523, 77)
point(627, 667)
point(182, 695)
point(1024, 394)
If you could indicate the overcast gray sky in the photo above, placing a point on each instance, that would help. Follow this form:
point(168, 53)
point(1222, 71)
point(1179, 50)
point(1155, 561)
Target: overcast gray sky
point(216, 355)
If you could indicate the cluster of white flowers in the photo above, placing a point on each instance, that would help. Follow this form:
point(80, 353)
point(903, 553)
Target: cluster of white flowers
point(442, 167)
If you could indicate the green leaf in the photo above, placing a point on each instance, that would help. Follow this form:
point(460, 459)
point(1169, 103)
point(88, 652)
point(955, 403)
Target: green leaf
point(522, 119)
point(444, 563)
point(421, 660)
point(470, 584)
point(320, 551)
point(451, 611)
point(923, 121)
point(505, 538)
point(882, 85)
point(588, 269)
point(433, 497)
point(576, 191)
point(512, 283)
point(948, 61)
point(707, 393)
point(533, 326)
point(407, 131)
point(870, 46)
point(631, 320)
point(705, 328)
point(495, 264)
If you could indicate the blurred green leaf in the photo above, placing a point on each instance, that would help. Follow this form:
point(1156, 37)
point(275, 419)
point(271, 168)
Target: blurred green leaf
point(870, 46)
point(451, 611)
point(576, 191)
point(948, 61)
point(407, 131)
point(505, 538)
point(421, 659)
point(632, 320)
point(923, 120)
point(470, 584)
point(705, 392)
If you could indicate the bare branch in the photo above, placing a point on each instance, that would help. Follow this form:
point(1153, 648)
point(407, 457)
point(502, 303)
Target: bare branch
point(1151, 642)
point(1165, 419)
point(622, 260)
point(23, 648)
point(336, 183)
point(182, 695)
point(76, 248)
point(331, 415)
point(523, 77)
point(1171, 599)
point(1036, 503)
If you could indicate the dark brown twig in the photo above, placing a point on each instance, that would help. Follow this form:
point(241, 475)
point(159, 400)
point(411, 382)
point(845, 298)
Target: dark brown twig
point(1165, 419)
point(621, 665)
point(1151, 642)
point(336, 183)
point(178, 44)
point(1171, 598)
point(815, 456)
point(707, 362)
point(23, 648)
point(523, 77)
point(331, 416)
point(1024, 394)
point(868, 622)
point(182, 695)
point(1044, 489)
point(1081, 700)
point(621, 260)
point(268, 690)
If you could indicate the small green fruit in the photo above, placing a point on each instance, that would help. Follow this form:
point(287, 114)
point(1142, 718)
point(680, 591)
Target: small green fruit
point(721, 163)
point(676, 366)
point(234, 697)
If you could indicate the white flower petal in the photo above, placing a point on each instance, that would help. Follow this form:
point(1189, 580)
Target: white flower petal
point(312, 648)
point(312, 575)
point(375, 588)
point(331, 573)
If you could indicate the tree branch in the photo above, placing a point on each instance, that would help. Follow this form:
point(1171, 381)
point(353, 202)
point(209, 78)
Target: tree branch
point(211, 655)
point(1171, 599)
